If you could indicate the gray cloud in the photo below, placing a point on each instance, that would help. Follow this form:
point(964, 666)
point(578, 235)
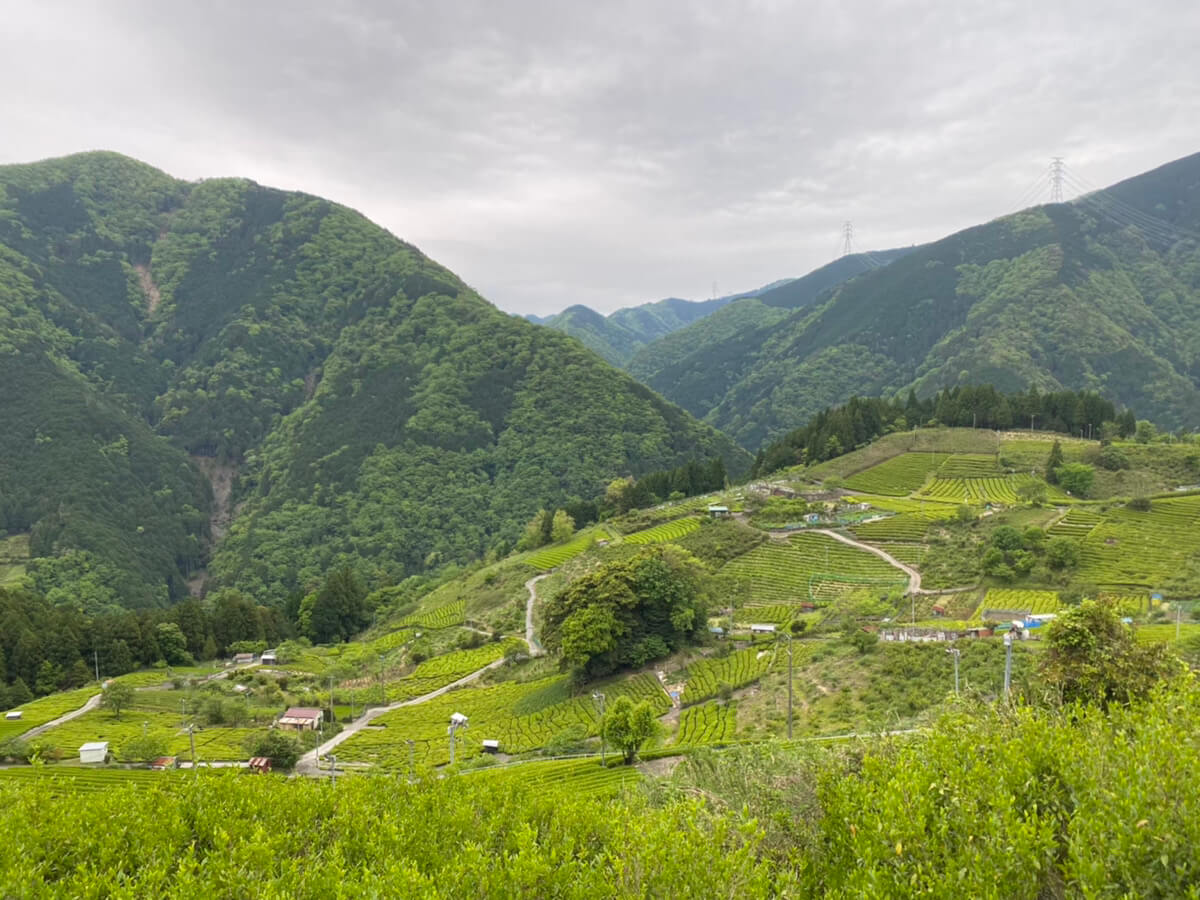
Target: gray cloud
point(610, 153)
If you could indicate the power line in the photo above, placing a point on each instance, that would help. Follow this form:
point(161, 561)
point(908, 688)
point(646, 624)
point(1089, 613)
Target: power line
point(847, 239)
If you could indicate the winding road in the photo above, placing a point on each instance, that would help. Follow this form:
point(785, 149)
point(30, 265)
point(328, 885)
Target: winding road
point(535, 649)
point(92, 703)
point(307, 764)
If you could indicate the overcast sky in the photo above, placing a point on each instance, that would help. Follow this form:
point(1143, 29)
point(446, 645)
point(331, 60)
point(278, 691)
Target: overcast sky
point(612, 153)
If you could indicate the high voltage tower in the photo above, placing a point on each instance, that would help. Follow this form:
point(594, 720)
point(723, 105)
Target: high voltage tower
point(1057, 171)
point(847, 239)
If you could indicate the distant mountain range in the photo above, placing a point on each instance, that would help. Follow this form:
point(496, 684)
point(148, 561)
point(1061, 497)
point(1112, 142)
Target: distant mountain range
point(1102, 293)
point(620, 334)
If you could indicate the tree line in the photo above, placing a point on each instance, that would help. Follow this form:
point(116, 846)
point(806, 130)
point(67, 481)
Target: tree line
point(840, 429)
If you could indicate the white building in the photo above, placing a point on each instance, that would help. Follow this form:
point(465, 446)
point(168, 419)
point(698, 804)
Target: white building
point(94, 752)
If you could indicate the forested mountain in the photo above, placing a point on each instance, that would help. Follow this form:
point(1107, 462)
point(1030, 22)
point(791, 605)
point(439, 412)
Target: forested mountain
point(659, 362)
point(618, 335)
point(368, 406)
point(1102, 294)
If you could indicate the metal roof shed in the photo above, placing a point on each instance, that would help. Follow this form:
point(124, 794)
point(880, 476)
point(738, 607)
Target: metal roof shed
point(94, 752)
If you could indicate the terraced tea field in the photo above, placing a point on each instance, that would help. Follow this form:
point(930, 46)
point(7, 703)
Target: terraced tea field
point(968, 465)
point(1165, 634)
point(1077, 523)
point(737, 670)
point(1006, 600)
point(711, 723)
point(898, 476)
point(668, 531)
point(522, 717)
point(777, 614)
point(47, 709)
point(578, 776)
point(1129, 549)
point(446, 669)
point(439, 617)
point(808, 566)
point(553, 557)
point(904, 527)
point(994, 489)
point(64, 780)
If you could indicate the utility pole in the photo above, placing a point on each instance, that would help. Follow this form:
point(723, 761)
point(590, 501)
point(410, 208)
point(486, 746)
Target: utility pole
point(789, 640)
point(847, 238)
point(96, 656)
point(331, 713)
point(192, 741)
point(956, 653)
point(598, 698)
point(1008, 645)
point(333, 769)
point(457, 721)
point(1057, 170)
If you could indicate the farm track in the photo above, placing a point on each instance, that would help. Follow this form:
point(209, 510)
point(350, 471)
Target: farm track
point(535, 649)
point(93, 703)
point(307, 764)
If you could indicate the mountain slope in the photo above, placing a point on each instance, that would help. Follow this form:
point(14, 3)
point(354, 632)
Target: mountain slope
point(379, 412)
point(1101, 294)
point(699, 364)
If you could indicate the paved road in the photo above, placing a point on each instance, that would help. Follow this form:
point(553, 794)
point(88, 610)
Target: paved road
point(92, 703)
point(535, 649)
point(307, 764)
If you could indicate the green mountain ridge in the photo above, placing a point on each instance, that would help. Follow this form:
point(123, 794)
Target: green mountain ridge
point(378, 412)
point(1099, 294)
point(620, 334)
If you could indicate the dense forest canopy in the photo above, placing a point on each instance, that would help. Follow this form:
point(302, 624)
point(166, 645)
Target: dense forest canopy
point(352, 401)
point(839, 430)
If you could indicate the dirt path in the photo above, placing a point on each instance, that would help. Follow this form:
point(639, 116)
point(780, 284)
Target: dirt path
point(535, 649)
point(93, 703)
point(914, 582)
point(307, 764)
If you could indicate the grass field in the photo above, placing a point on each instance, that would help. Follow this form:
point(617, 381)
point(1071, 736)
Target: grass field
point(668, 531)
point(808, 566)
point(47, 709)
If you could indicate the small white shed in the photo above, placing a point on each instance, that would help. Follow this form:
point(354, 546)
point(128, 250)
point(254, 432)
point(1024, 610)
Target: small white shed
point(12, 716)
point(491, 746)
point(94, 752)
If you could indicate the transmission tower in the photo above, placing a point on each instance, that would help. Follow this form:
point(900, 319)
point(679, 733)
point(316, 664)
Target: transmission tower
point(847, 239)
point(1057, 170)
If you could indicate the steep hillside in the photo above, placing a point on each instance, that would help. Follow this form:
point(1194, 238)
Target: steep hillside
point(700, 363)
point(1102, 293)
point(378, 411)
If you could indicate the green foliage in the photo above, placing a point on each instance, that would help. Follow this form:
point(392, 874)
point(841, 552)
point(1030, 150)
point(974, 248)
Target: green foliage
point(116, 697)
point(1075, 478)
point(281, 747)
point(145, 748)
point(1092, 657)
point(629, 612)
point(389, 428)
point(628, 725)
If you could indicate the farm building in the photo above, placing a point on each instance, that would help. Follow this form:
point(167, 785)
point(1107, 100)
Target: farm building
point(94, 752)
point(302, 718)
point(12, 716)
point(241, 659)
point(719, 512)
point(267, 657)
point(491, 746)
point(165, 762)
point(762, 628)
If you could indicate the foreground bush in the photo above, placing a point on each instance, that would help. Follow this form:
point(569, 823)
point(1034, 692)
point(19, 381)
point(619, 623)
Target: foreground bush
point(1023, 804)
